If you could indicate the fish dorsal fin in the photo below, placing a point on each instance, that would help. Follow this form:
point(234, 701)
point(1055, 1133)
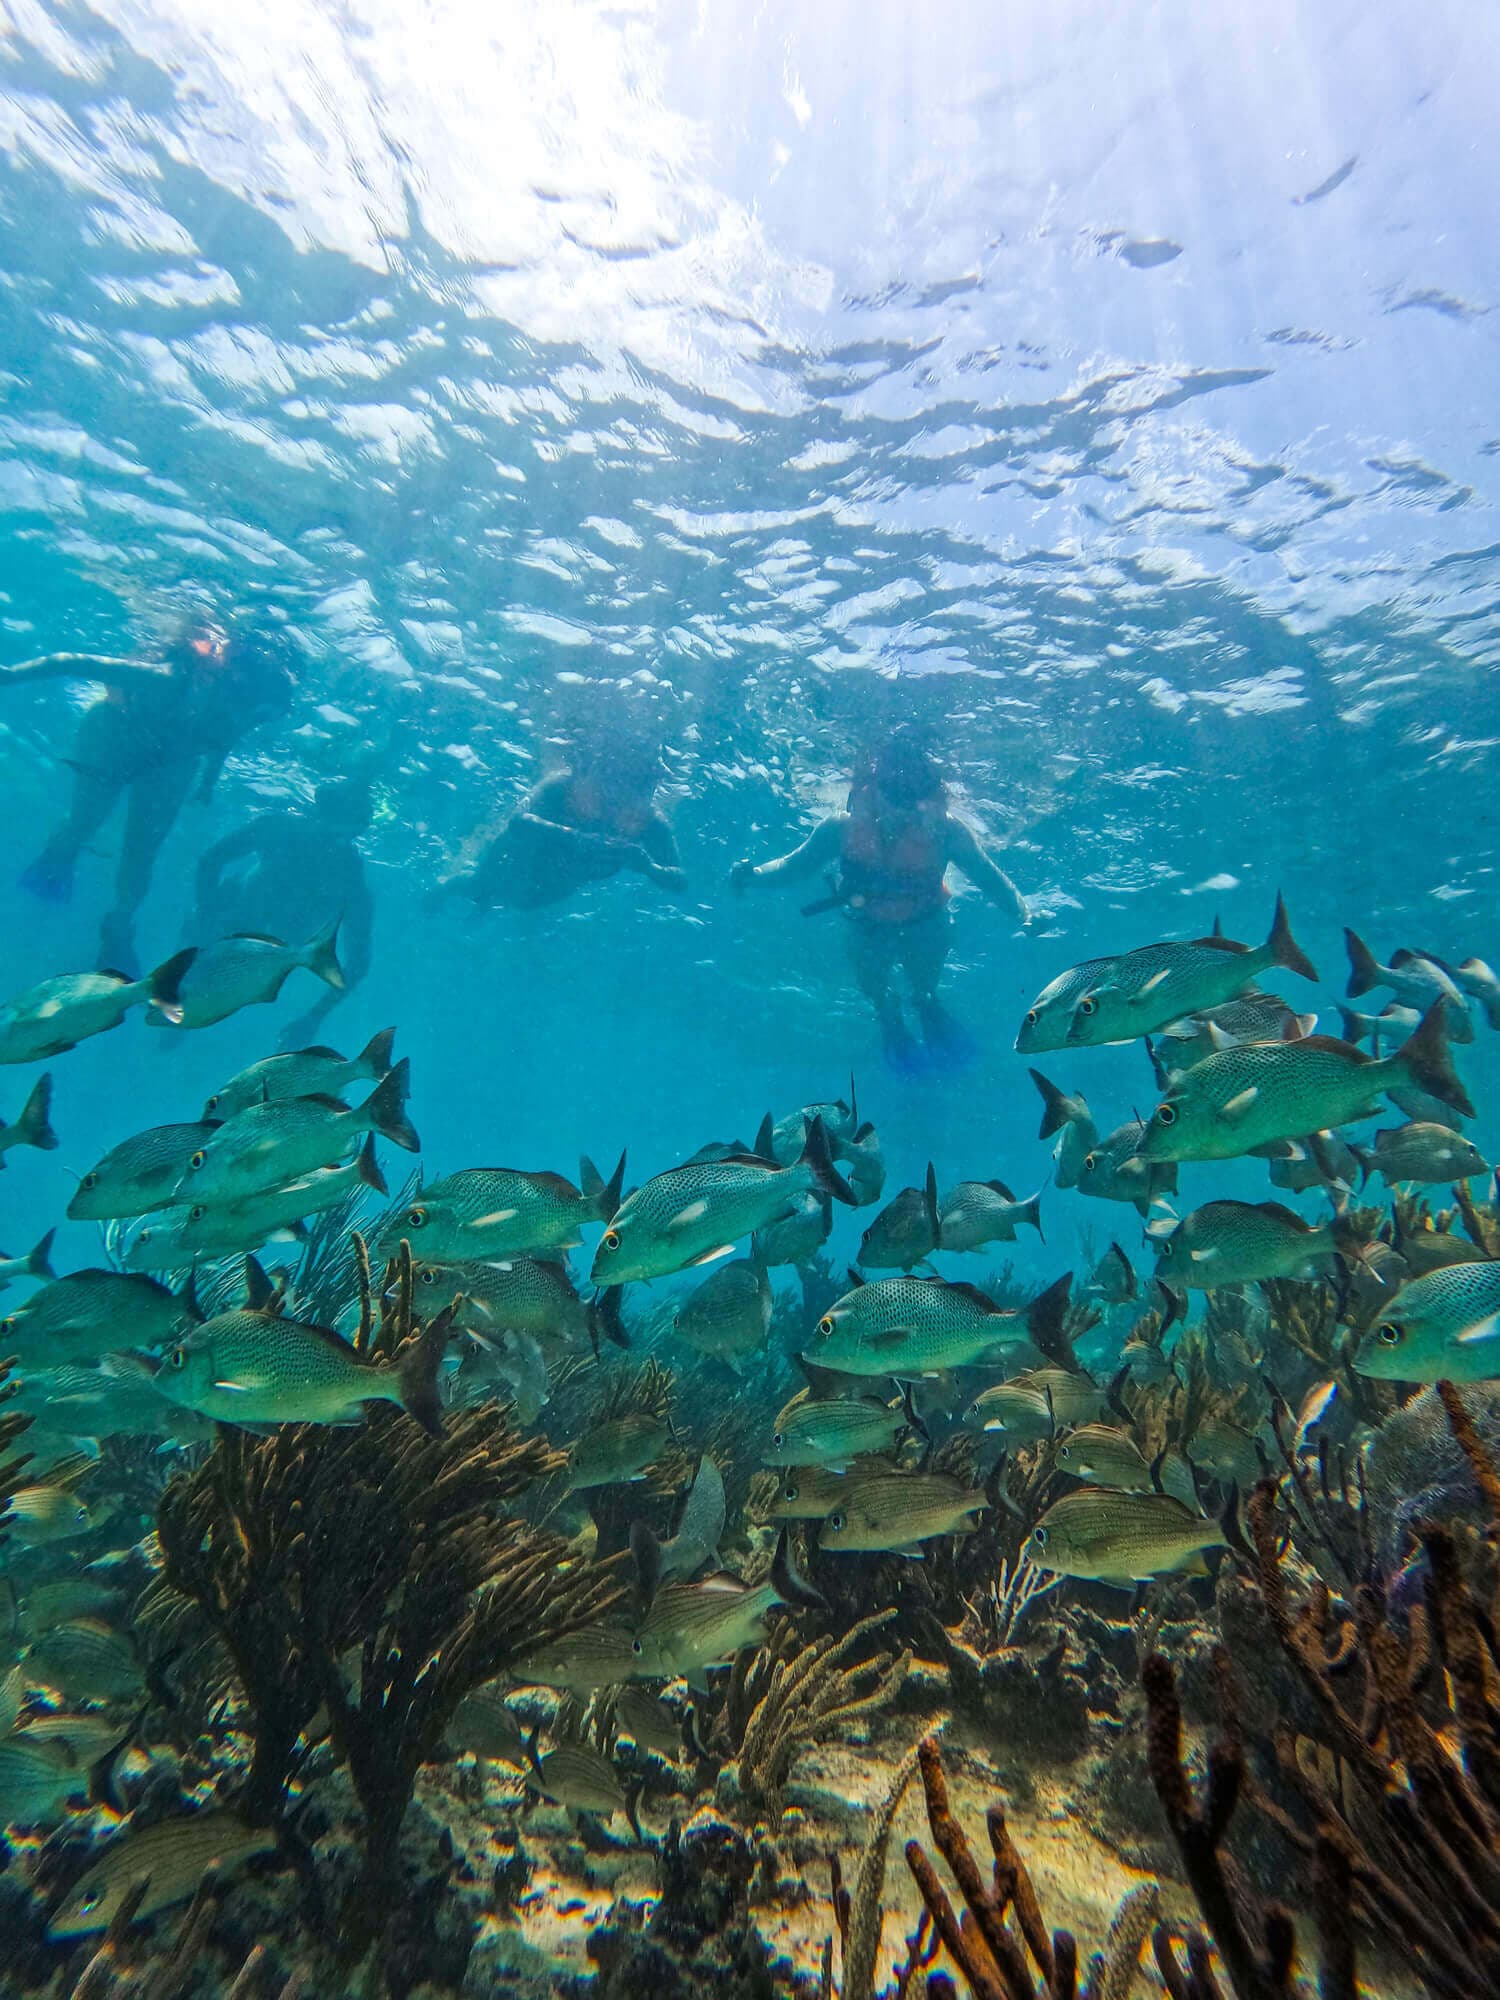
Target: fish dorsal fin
point(999, 1188)
point(1240, 1103)
point(977, 1297)
point(1331, 1044)
point(1281, 1213)
point(257, 937)
point(1231, 945)
point(751, 1160)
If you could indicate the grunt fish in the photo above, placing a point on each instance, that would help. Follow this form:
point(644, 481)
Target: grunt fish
point(33, 1122)
point(1121, 1537)
point(248, 971)
point(315, 1072)
point(906, 1231)
point(1104, 1455)
point(1264, 1094)
point(89, 1313)
point(60, 1013)
point(488, 1213)
point(898, 1511)
point(172, 1857)
point(978, 1212)
point(727, 1316)
point(1444, 1326)
point(616, 1451)
point(267, 1145)
point(1147, 989)
point(1421, 1152)
point(832, 1433)
point(692, 1215)
point(140, 1174)
point(37, 1263)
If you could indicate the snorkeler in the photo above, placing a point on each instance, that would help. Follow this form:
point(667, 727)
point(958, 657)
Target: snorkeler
point(596, 819)
point(289, 872)
point(887, 855)
point(160, 726)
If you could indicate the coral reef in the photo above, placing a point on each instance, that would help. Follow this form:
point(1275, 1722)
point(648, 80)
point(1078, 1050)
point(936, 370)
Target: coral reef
point(701, 1937)
point(995, 1954)
point(807, 1696)
point(368, 1575)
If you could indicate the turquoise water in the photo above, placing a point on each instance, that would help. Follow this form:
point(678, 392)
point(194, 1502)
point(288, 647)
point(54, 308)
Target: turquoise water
point(1108, 389)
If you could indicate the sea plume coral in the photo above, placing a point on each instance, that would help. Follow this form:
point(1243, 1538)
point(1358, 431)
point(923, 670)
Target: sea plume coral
point(371, 1573)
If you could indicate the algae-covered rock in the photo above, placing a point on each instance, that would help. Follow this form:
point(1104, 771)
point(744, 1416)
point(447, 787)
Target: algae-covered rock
point(701, 1936)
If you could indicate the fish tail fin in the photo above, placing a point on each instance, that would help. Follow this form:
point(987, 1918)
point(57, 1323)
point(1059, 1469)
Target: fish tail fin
point(914, 1421)
point(930, 1204)
point(385, 1108)
point(1174, 1305)
point(1284, 948)
point(819, 1161)
point(1366, 1161)
point(606, 1318)
point(602, 1195)
point(1055, 1113)
point(320, 955)
point(762, 1148)
point(791, 1586)
point(1350, 1026)
point(1046, 1322)
point(417, 1372)
point(377, 1055)
point(39, 1258)
point(1031, 1211)
point(369, 1167)
point(1424, 1060)
point(164, 985)
point(1364, 967)
point(34, 1126)
point(1234, 1528)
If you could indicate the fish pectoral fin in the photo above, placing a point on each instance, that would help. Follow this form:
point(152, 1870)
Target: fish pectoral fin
point(1203, 1256)
point(234, 1388)
point(496, 1215)
point(694, 1212)
point(1241, 1102)
point(1150, 987)
point(712, 1256)
point(1482, 1329)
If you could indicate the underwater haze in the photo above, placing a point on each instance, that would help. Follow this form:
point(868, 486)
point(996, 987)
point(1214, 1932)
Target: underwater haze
point(791, 594)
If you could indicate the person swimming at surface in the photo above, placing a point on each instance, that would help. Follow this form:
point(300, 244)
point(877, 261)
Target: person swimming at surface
point(591, 821)
point(160, 726)
point(286, 873)
point(888, 855)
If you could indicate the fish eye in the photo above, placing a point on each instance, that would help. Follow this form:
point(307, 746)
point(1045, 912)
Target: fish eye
point(1391, 1335)
point(636, 1646)
point(197, 1159)
point(790, 1492)
point(825, 1324)
point(778, 1440)
point(92, 1900)
point(1064, 1451)
point(1165, 1115)
point(8, 1325)
point(1090, 1161)
point(611, 1239)
point(1088, 1006)
point(177, 1358)
point(197, 1212)
point(835, 1521)
point(427, 1275)
point(210, 1104)
point(89, 1181)
point(1031, 1017)
point(416, 1217)
point(1039, 1536)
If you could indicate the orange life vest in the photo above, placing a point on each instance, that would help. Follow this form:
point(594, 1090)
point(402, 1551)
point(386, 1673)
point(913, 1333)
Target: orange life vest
point(892, 867)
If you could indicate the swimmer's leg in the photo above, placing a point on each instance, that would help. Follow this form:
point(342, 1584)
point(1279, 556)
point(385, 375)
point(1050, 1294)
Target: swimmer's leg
point(924, 954)
point(154, 801)
point(873, 957)
point(100, 773)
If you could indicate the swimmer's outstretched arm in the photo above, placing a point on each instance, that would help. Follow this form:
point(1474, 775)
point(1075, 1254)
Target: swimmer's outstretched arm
point(85, 667)
point(969, 858)
point(822, 848)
